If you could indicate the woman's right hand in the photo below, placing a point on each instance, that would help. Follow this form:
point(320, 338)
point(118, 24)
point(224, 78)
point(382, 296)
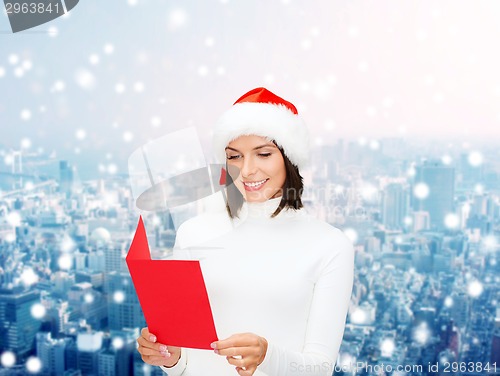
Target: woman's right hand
point(155, 353)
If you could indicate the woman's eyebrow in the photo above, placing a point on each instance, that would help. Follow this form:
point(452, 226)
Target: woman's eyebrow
point(255, 148)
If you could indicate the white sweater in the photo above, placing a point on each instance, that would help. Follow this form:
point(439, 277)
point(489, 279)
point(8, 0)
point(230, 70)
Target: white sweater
point(287, 279)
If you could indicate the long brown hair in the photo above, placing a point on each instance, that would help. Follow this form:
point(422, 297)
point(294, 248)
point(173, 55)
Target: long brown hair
point(291, 196)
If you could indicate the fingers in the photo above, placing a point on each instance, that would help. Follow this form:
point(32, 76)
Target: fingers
point(151, 345)
point(236, 340)
point(236, 351)
point(147, 335)
point(245, 362)
point(155, 360)
point(149, 352)
point(249, 371)
point(154, 353)
point(243, 350)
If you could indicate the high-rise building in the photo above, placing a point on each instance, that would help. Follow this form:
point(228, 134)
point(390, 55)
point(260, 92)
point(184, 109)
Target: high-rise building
point(495, 347)
point(80, 260)
point(117, 359)
point(124, 310)
point(331, 159)
point(18, 327)
point(420, 220)
point(114, 258)
point(470, 174)
point(395, 204)
point(88, 347)
point(460, 310)
point(65, 177)
point(439, 180)
point(51, 353)
point(106, 361)
point(58, 314)
point(97, 261)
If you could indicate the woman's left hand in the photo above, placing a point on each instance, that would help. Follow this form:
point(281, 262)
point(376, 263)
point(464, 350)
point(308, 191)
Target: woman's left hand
point(248, 348)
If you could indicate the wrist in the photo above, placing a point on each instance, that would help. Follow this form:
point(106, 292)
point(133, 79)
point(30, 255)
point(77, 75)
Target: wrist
point(173, 365)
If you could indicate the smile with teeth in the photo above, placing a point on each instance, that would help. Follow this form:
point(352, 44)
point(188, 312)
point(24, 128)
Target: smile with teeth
point(255, 184)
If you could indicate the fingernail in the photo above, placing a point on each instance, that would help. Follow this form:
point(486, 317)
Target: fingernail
point(216, 351)
point(213, 345)
point(165, 354)
point(163, 348)
point(152, 338)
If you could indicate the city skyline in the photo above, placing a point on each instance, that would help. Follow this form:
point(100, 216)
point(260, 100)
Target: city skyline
point(401, 101)
point(426, 284)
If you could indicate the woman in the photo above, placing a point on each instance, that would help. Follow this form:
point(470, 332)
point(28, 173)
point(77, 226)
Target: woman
point(281, 286)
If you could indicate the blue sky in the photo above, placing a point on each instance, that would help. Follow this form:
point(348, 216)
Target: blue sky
point(99, 83)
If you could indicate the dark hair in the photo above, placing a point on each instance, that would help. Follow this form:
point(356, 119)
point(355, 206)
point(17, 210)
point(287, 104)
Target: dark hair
point(291, 191)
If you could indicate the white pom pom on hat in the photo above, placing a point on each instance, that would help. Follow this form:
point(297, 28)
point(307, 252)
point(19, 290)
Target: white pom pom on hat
point(262, 113)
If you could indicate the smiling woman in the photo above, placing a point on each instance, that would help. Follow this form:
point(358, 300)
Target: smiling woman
point(279, 304)
point(260, 165)
point(261, 171)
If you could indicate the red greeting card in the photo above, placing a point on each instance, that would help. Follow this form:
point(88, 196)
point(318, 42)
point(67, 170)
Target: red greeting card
point(172, 295)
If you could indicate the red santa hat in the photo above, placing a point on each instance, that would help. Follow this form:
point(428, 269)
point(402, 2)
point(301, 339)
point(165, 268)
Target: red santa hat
point(262, 113)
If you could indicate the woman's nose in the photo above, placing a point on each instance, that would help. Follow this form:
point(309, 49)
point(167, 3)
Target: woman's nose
point(248, 167)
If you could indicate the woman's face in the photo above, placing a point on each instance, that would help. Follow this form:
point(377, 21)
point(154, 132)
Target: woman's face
point(256, 167)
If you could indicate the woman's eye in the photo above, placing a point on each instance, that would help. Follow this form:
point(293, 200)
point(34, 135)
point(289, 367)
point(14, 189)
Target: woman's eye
point(265, 154)
point(232, 156)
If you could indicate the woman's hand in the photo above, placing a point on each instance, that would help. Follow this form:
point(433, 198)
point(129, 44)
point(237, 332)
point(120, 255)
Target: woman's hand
point(246, 351)
point(155, 353)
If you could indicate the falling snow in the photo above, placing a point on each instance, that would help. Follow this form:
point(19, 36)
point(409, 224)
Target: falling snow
point(65, 262)
point(25, 115)
point(387, 347)
point(128, 136)
point(475, 288)
point(358, 316)
point(108, 49)
point(85, 79)
point(14, 219)
point(33, 364)
point(446, 159)
point(29, 277)
point(38, 311)
point(421, 191)
point(139, 87)
point(88, 298)
point(451, 221)
point(81, 134)
point(352, 234)
point(120, 88)
point(177, 18)
point(117, 343)
point(8, 359)
point(94, 59)
point(475, 158)
point(119, 297)
point(13, 59)
point(155, 121)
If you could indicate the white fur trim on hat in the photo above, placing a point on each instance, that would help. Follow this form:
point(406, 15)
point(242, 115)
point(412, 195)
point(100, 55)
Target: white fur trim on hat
point(274, 121)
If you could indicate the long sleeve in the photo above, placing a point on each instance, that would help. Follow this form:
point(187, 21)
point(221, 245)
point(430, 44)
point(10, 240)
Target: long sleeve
point(326, 322)
point(179, 368)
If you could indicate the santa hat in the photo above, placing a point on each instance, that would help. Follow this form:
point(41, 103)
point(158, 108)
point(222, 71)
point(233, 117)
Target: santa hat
point(262, 113)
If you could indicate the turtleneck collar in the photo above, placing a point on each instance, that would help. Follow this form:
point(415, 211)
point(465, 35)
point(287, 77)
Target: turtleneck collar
point(263, 211)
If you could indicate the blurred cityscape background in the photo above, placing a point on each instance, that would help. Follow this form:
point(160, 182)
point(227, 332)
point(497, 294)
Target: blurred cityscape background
point(402, 102)
point(424, 218)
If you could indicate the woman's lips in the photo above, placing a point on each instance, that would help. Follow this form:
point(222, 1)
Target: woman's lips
point(251, 189)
